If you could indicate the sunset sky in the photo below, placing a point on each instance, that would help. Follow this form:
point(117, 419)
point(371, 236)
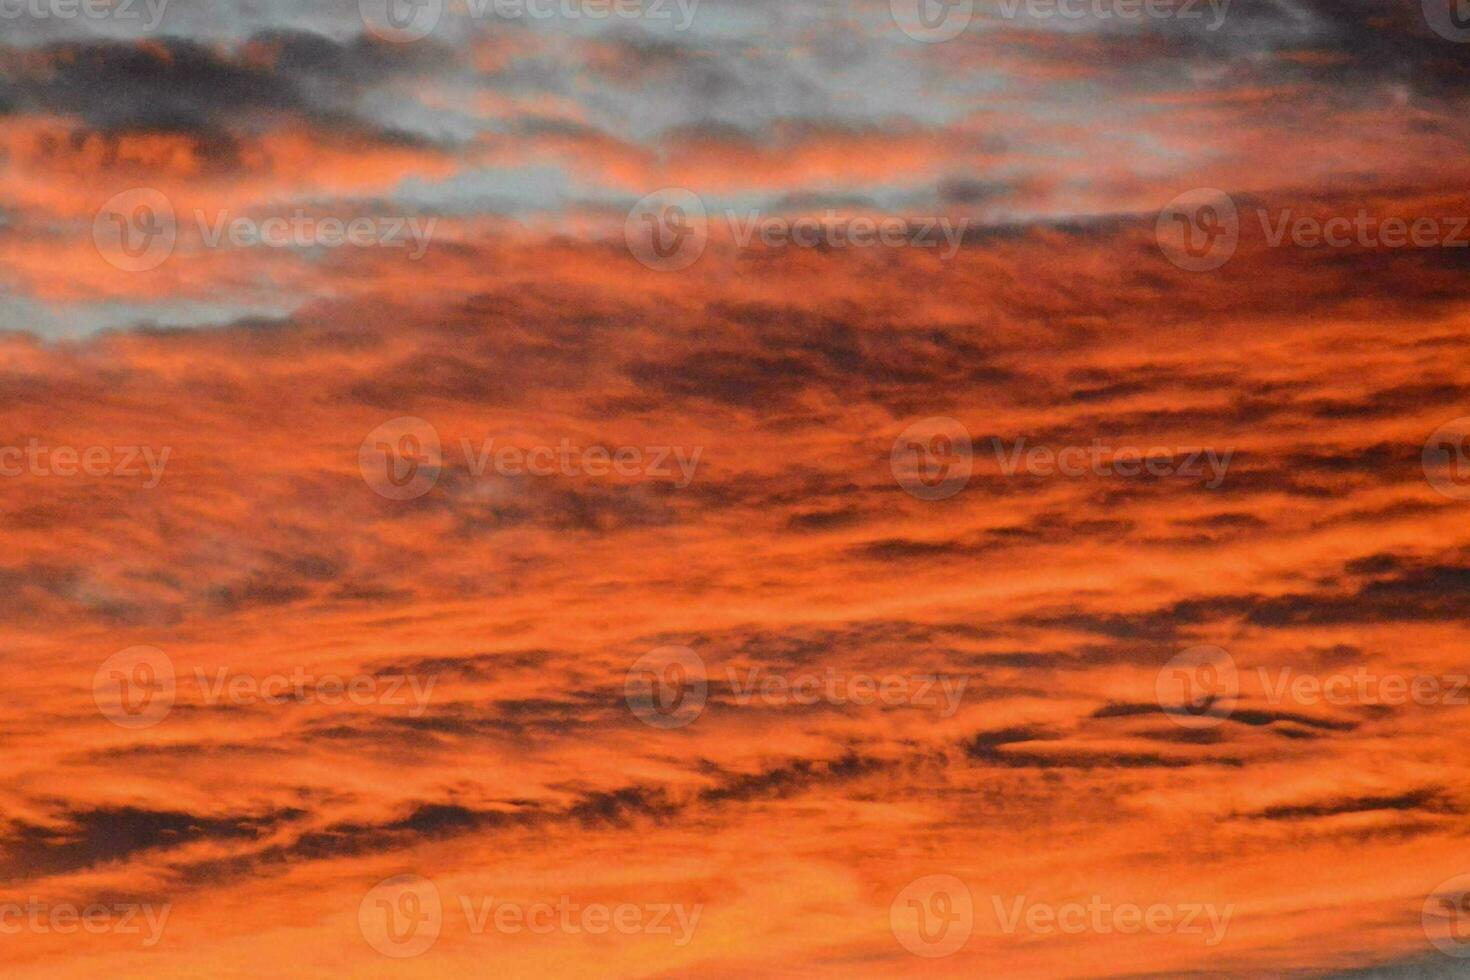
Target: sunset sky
point(735, 488)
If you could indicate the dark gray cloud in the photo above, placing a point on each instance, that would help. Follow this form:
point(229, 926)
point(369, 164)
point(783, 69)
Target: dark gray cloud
point(86, 838)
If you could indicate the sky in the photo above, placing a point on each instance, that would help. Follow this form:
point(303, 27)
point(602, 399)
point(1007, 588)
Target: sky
point(657, 488)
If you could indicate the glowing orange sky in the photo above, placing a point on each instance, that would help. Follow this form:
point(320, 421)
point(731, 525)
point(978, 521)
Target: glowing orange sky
point(509, 747)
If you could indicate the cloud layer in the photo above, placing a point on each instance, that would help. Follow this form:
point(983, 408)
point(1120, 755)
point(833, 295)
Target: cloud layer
point(391, 527)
